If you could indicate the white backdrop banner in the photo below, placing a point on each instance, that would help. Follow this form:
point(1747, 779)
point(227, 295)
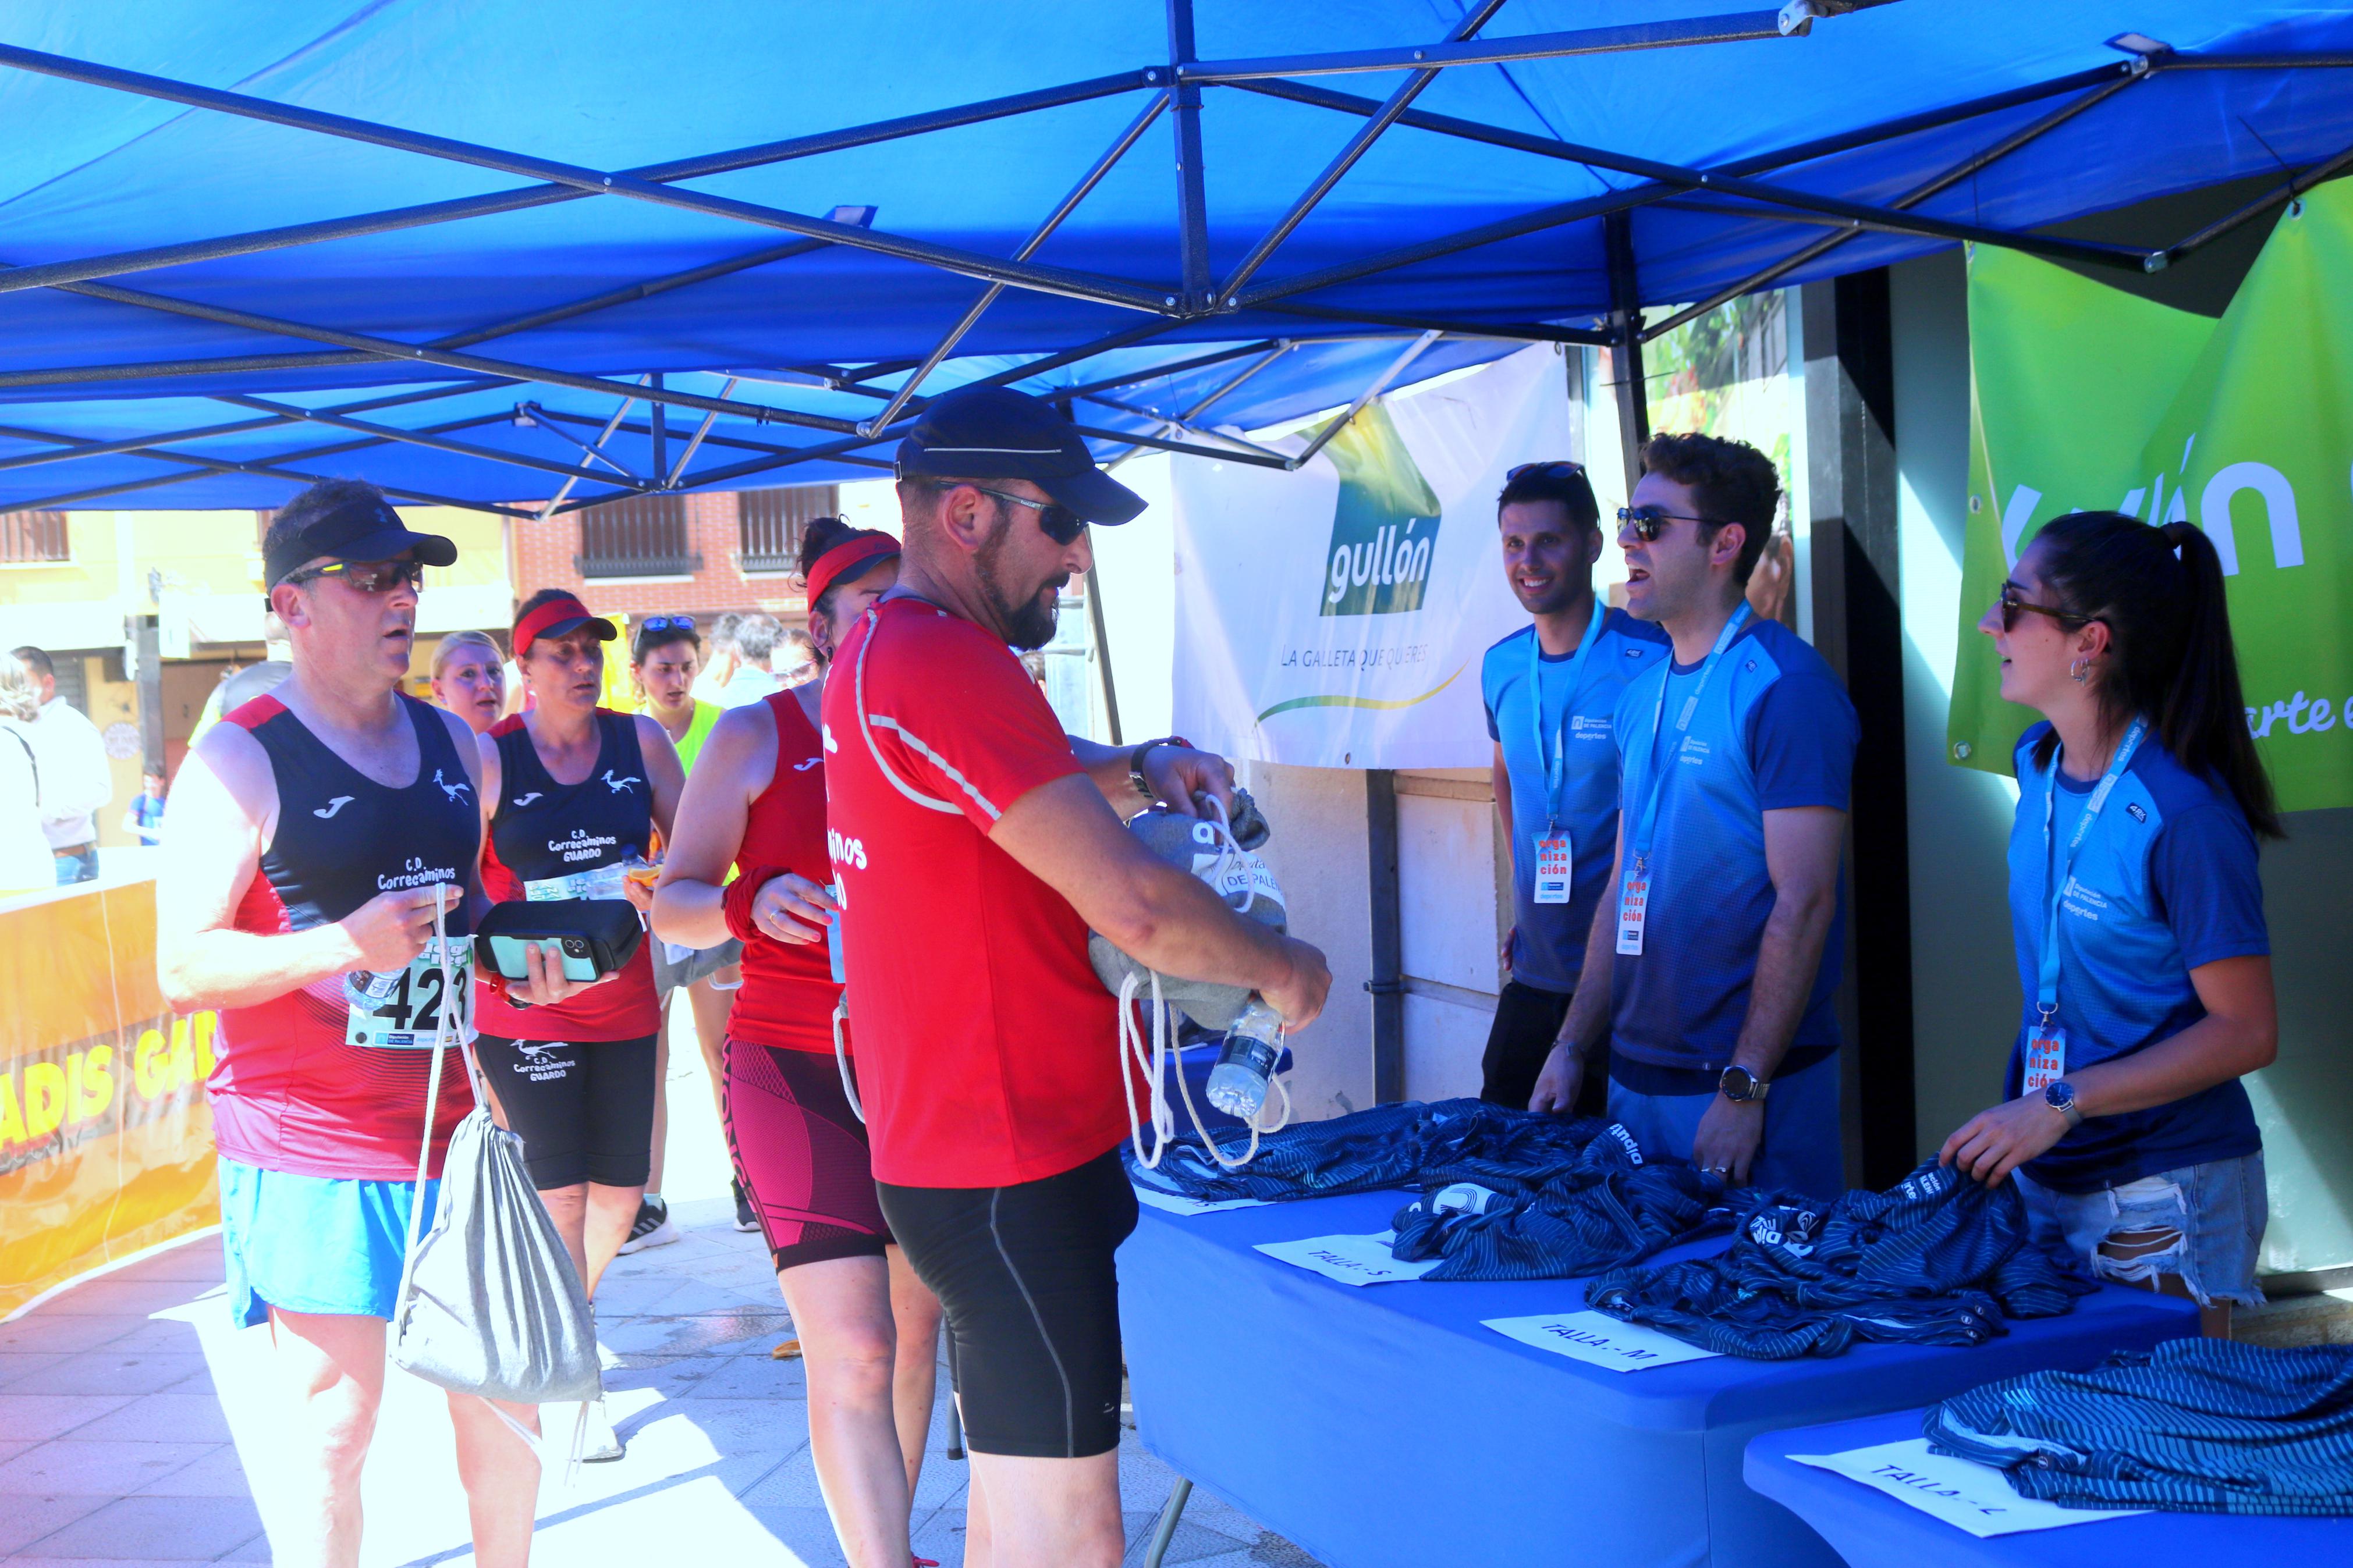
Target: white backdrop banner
point(1335, 616)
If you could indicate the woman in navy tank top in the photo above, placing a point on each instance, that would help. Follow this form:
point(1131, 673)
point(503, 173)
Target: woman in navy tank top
point(869, 1328)
point(573, 793)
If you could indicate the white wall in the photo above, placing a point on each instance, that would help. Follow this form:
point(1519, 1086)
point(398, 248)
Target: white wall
point(1317, 853)
point(1452, 921)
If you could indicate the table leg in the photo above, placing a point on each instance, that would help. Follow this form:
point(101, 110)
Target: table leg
point(1165, 1529)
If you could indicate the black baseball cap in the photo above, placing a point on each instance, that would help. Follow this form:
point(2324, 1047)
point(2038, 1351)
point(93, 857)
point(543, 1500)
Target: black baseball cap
point(996, 433)
point(349, 520)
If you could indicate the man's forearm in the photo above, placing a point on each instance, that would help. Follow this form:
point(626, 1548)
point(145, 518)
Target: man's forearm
point(241, 969)
point(1187, 931)
point(1107, 766)
point(1787, 958)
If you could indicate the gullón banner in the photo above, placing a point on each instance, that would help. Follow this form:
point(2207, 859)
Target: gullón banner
point(1335, 616)
point(2084, 398)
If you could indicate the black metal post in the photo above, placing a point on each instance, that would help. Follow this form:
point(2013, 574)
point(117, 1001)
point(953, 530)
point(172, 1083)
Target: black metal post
point(661, 429)
point(1388, 983)
point(1858, 628)
point(1192, 211)
point(1626, 343)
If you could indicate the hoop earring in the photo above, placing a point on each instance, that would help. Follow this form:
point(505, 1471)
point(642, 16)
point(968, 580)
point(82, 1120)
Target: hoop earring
point(2080, 670)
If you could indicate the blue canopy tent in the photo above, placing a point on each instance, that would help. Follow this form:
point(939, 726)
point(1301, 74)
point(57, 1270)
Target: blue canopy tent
point(488, 253)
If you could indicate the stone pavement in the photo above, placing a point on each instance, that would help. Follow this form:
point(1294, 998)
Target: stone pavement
point(136, 1426)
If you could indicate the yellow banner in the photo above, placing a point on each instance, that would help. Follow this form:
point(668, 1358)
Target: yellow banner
point(106, 1138)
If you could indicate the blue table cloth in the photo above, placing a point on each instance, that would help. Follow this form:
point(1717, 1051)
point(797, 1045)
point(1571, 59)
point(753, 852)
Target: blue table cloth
point(1870, 1529)
point(1383, 1424)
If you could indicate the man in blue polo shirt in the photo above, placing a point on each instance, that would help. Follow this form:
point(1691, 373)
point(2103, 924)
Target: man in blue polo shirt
point(1551, 691)
point(1720, 940)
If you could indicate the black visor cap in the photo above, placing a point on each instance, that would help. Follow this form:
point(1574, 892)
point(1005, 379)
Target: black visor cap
point(361, 528)
point(996, 433)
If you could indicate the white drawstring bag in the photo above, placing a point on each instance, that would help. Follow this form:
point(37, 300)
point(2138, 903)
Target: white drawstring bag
point(490, 1303)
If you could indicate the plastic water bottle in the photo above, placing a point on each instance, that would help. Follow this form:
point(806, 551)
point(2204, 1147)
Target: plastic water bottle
point(833, 938)
point(1237, 1083)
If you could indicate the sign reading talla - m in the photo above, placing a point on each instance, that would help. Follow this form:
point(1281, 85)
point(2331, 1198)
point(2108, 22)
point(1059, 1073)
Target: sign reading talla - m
point(1335, 616)
point(2085, 398)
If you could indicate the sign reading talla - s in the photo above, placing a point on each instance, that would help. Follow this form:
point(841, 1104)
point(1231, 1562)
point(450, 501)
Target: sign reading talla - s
point(1334, 617)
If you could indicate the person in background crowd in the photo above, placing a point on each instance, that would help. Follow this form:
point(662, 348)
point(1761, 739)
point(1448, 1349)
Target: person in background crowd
point(2148, 974)
point(76, 782)
point(756, 638)
point(470, 679)
point(573, 792)
point(239, 686)
point(1551, 689)
point(314, 833)
point(799, 663)
point(145, 820)
point(1718, 943)
point(664, 659)
point(718, 660)
point(869, 1329)
point(24, 861)
point(976, 846)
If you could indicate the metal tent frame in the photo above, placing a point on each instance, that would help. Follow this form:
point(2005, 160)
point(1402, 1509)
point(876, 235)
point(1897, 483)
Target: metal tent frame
point(1250, 297)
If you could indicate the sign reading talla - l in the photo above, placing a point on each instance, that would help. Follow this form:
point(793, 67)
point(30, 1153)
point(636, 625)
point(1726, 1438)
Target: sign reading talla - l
point(1334, 617)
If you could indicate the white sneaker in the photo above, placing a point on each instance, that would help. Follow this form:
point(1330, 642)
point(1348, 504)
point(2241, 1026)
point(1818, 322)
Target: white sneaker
point(652, 1227)
point(602, 1445)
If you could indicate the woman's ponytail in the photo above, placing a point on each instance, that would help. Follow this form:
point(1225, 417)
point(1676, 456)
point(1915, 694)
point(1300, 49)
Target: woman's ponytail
point(2160, 592)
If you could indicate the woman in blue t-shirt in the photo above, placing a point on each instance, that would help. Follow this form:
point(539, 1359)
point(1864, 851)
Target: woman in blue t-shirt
point(2147, 979)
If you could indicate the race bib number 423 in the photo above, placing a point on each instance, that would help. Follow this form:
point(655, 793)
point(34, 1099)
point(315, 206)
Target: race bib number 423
point(404, 1010)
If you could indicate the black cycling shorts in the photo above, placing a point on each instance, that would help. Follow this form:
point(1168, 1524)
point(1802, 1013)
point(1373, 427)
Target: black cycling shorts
point(1032, 1303)
point(584, 1108)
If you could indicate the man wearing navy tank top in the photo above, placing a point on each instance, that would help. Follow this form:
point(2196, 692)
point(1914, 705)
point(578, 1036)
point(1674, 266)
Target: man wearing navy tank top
point(1712, 964)
point(317, 831)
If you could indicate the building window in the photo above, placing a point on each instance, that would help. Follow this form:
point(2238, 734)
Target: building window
point(771, 522)
point(33, 537)
point(641, 536)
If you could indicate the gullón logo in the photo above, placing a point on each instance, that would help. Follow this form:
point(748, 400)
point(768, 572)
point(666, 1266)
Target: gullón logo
point(1383, 524)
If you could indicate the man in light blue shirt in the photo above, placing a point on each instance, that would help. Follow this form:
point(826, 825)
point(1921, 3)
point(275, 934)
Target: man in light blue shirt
point(1720, 938)
point(1551, 691)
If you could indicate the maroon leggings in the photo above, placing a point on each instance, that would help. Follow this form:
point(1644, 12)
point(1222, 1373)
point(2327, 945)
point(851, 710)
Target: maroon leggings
point(800, 1152)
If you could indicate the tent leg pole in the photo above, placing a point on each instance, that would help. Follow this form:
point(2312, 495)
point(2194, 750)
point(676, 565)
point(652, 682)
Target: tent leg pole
point(1163, 1530)
point(1103, 653)
point(1626, 344)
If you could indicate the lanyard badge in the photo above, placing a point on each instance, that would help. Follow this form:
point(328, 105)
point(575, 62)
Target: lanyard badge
point(1555, 854)
point(1634, 888)
point(2046, 1041)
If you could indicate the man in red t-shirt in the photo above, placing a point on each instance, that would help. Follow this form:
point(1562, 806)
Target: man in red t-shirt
point(976, 846)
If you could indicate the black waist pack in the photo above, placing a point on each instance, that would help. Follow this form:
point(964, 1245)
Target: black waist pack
point(595, 937)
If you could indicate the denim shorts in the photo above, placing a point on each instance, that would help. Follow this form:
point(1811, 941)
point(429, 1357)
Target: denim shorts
point(2216, 1211)
point(313, 1244)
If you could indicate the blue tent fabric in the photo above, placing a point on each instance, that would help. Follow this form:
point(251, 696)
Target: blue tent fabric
point(95, 171)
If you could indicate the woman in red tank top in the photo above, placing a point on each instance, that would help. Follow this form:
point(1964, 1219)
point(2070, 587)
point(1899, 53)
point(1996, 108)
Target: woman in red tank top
point(869, 1328)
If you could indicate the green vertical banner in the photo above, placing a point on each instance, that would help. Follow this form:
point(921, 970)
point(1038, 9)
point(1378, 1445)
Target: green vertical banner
point(2085, 398)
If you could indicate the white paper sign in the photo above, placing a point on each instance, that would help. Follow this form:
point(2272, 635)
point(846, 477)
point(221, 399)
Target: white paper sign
point(1177, 1203)
point(1350, 1259)
point(1599, 1339)
point(1971, 1496)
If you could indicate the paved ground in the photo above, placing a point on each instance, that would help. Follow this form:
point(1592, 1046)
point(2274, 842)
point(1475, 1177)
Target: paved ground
point(135, 1422)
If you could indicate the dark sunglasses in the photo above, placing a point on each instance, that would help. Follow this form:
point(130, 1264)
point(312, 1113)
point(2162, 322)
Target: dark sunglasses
point(1060, 524)
point(1649, 522)
point(1558, 465)
point(667, 624)
point(367, 576)
point(2013, 602)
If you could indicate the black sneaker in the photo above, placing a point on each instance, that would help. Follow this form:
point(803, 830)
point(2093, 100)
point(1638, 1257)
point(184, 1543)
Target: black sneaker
point(746, 1219)
point(652, 1228)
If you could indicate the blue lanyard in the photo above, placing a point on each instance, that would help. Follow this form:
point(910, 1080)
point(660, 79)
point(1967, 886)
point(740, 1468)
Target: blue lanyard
point(1648, 825)
point(2046, 995)
point(1555, 765)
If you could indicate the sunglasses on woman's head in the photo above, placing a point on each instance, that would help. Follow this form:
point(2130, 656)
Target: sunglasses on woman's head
point(668, 623)
point(367, 576)
point(2014, 601)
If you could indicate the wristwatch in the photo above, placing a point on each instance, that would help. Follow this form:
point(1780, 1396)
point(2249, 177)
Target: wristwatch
point(1740, 1085)
point(2060, 1098)
point(1135, 763)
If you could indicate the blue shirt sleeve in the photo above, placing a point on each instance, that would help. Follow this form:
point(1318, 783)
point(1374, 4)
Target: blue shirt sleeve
point(1802, 741)
point(1492, 734)
point(2201, 868)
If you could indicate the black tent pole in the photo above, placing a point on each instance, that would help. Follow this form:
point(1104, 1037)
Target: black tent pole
point(1626, 343)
